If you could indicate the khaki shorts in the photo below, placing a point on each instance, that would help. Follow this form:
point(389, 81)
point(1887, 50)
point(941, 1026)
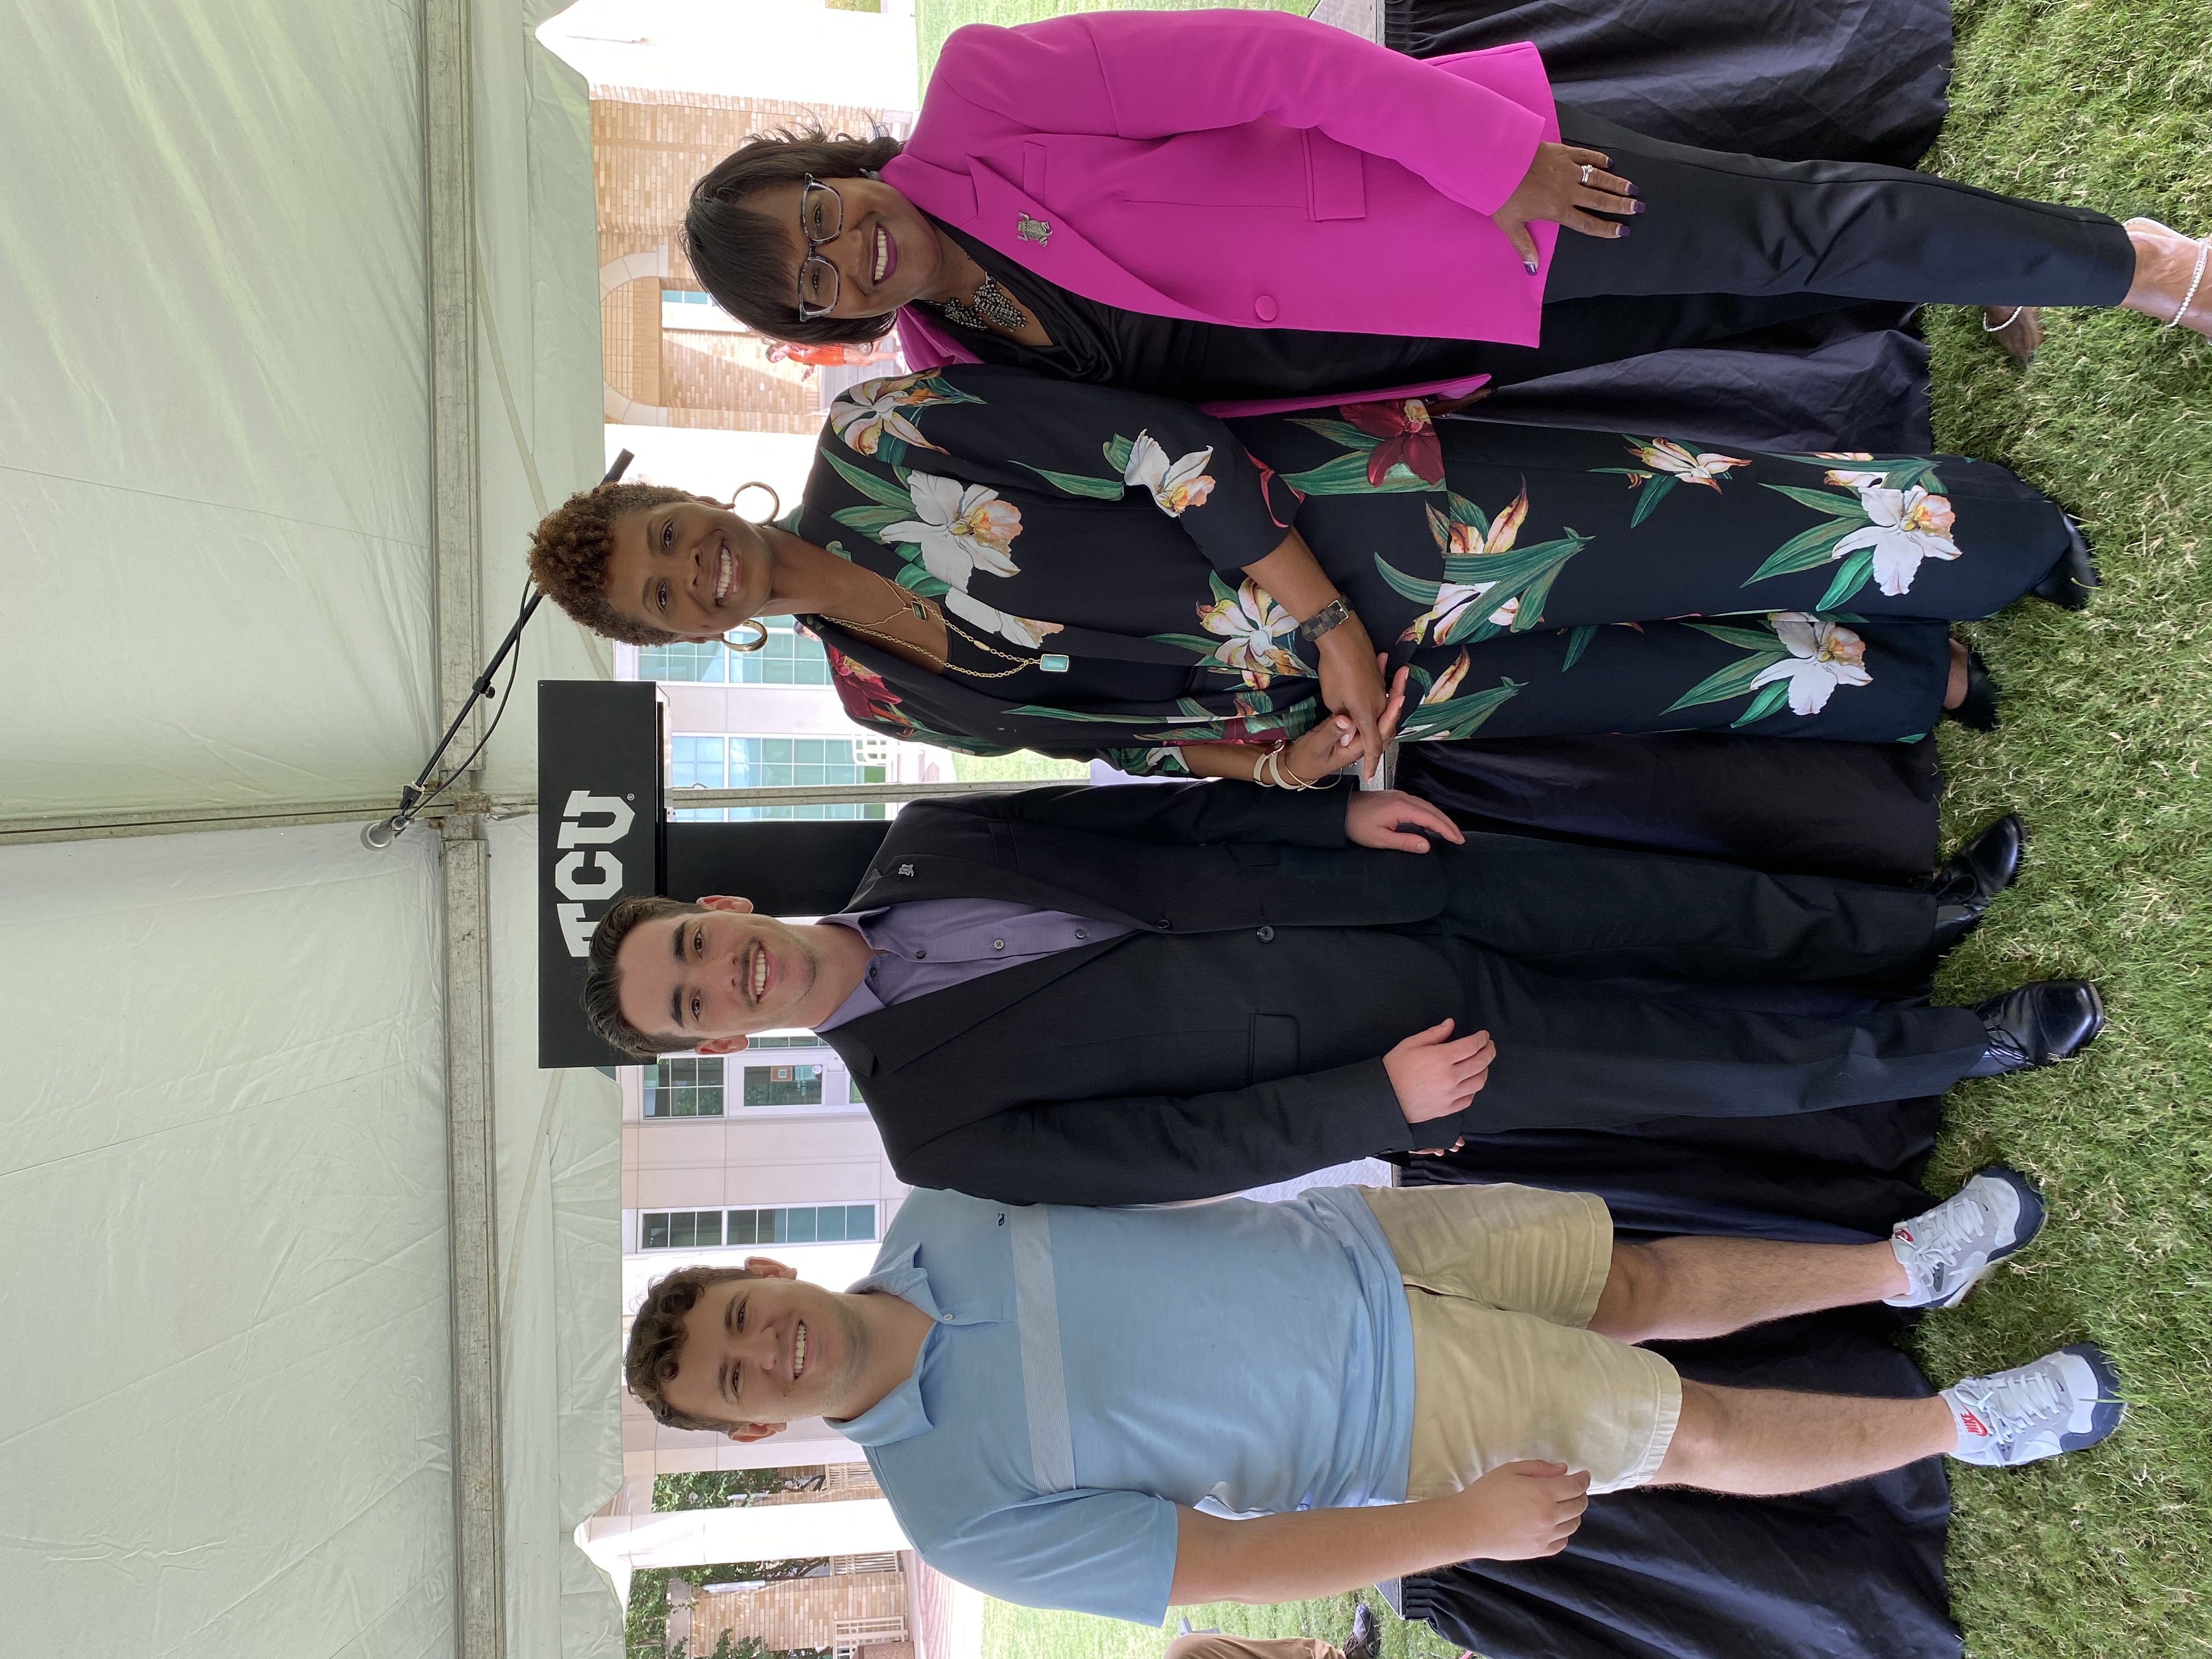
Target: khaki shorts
point(1502, 1282)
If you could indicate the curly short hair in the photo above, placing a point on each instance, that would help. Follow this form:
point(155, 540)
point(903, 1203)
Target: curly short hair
point(570, 548)
point(656, 1340)
point(740, 257)
point(603, 976)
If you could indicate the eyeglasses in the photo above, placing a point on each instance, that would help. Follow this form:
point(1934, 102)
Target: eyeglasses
point(821, 219)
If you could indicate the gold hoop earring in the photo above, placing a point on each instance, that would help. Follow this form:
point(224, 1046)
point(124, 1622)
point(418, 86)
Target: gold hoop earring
point(760, 640)
point(774, 512)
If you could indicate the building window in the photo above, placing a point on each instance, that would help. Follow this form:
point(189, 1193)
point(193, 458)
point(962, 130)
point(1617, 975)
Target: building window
point(714, 760)
point(682, 1229)
point(791, 1223)
point(783, 1085)
point(789, 658)
point(809, 1041)
point(684, 1088)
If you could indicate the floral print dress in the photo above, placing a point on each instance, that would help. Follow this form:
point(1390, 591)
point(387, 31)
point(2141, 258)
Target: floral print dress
point(1090, 544)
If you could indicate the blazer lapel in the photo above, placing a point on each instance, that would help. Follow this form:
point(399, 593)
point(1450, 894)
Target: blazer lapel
point(988, 204)
point(893, 1037)
point(896, 878)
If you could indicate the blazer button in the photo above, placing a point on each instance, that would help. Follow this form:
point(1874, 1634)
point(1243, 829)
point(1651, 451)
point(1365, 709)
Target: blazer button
point(1264, 307)
point(1162, 925)
point(1266, 933)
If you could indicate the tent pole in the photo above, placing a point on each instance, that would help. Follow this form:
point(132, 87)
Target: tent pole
point(448, 149)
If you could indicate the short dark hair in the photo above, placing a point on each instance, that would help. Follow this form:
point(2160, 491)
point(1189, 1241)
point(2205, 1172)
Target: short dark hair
point(603, 976)
point(741, 258)
point(570, 548)
point(656, 1340)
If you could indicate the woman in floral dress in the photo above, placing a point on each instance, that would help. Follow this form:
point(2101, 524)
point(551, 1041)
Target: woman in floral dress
point(1100, 573)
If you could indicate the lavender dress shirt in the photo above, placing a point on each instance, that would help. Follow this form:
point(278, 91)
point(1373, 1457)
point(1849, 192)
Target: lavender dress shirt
point(932, 944)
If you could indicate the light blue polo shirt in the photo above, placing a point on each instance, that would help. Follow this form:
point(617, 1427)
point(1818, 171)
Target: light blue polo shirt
point(1093, 1369)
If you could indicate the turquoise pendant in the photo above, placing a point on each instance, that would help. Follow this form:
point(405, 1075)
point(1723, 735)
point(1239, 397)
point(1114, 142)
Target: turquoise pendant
point(1053, 663)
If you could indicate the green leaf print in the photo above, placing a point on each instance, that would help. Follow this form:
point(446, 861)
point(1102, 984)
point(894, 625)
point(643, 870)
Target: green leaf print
point(1844, 505)
point(1656, 490)
point(1340, 432)
point(1456, 717)
point(914, 577)
point(1855, 573)
point(1772, 696)
point(884, 495)
point(1579, 640)
point(871, 521)
point(1734, 681)
point(1117, 452)
point(1346, 475)
point(1075, 483)
point(1410, 587)
point(1745, 639)
point(1808, 550)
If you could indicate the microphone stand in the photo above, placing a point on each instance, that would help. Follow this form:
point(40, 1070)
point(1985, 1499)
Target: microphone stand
point(417, 795)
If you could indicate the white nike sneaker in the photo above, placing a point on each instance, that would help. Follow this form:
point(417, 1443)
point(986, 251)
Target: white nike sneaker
point(2059, 1403)
point(1945, 1251)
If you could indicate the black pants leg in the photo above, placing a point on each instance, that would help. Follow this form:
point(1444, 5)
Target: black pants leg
point(1589, 1055)
point(1593, 913)
point(1722, 224)
point(1732, 243)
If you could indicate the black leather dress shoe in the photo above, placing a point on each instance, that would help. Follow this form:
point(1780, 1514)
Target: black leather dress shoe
point(2071, 579)
point(1977, 712)
point(1983, 867)
point(2042, 1021)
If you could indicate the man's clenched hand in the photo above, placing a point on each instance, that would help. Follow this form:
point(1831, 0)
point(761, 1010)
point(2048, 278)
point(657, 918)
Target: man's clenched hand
point(1435, 1075)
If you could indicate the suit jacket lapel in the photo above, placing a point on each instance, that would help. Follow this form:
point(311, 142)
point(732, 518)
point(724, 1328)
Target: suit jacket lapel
point(896, 878)
point(989, 205)
point(893, 1037)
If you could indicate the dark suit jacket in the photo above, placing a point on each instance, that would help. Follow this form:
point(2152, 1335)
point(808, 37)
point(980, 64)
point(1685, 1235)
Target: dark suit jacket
point(1238, 1038)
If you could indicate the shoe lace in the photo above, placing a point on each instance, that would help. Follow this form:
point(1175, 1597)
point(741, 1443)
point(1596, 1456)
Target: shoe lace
point(2010, 1405)
point(1946, 1231)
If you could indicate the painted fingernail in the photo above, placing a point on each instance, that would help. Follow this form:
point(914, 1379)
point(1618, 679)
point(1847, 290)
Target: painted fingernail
point(1640, 207)
point(1619, 231)
point(1632, 190)
point(1528, 265)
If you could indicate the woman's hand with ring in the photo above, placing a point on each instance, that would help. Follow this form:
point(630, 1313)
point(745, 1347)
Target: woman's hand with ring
point(1554, 189)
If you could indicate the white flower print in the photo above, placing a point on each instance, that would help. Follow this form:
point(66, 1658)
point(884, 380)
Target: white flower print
point(1446, 683)
point(1684, 464)
point(1909, 526)
point(1822, 656)
point(1842, 476)
point(1174, 485)
point(864, 415)
point(1505, 613)
point(1022, 630)
point(1452, 598)
point(1250, 621)
point(958, 530)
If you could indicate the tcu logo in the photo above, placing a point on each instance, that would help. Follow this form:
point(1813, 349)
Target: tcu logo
point(590, 825)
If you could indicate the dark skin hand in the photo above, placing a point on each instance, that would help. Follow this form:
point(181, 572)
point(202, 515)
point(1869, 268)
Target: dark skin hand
point(1554, 189)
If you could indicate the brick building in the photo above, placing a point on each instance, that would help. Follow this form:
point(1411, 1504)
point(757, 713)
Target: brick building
point(672, 359)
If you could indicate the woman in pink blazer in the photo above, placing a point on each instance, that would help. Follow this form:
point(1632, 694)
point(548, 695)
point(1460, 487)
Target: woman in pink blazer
point(1251, 210)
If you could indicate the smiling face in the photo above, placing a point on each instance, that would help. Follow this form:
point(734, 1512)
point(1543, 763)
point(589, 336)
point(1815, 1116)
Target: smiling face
point(688, 568)
point(885, 253)
point(706, 978)
point(760, 1353)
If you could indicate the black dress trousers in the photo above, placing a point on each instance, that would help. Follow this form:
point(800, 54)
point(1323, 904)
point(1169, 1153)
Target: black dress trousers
point(1728, 243)
point(1535, 927)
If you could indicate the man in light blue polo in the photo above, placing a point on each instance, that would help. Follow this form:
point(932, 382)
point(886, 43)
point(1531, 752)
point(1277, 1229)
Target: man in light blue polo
point(1114, 1410)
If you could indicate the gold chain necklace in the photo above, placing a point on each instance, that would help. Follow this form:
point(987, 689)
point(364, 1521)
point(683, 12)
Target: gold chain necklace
point(913, 604)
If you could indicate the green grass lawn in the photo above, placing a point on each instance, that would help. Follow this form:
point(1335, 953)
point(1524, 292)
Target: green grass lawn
point(2106, 738)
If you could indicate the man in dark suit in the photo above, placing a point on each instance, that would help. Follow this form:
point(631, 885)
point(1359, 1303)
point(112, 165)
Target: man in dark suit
point(1148, 992)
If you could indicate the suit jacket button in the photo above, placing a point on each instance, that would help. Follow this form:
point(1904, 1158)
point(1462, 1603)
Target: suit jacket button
point(1163, 924)
point(1264, 307)
point(1266, 933)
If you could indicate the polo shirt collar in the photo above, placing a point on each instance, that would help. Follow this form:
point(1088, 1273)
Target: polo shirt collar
point(900, 1414)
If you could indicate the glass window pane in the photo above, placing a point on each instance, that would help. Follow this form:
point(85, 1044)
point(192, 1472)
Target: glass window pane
point(830, 1223)
point(859, 1221)
point(798, 1226)
point(743, 1227)
point(656, 1232)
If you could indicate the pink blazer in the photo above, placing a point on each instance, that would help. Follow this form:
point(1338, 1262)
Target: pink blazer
point(1245, 168)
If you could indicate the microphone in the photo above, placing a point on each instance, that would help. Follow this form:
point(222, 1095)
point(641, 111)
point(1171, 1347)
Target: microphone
point(380, 834)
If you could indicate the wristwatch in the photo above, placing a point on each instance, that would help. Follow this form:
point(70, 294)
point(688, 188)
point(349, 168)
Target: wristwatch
point(1336, 611)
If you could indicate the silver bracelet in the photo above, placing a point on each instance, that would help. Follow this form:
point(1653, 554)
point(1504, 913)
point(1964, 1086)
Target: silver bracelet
point(1329, 616)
